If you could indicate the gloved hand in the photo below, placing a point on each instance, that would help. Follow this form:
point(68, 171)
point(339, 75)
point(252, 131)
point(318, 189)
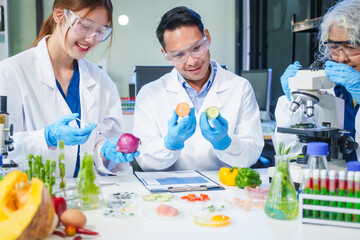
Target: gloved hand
point(290, 71)
point(346, 76)
point(61, 130)
point(108, 151)
point(217, 135)
point(179, 132)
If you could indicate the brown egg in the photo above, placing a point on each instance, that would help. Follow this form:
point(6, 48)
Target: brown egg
point(74, 217)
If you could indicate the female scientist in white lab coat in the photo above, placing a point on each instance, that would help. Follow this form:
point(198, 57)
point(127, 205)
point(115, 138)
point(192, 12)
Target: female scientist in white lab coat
point(170, 143)
point(339, 40)
point(50, 85)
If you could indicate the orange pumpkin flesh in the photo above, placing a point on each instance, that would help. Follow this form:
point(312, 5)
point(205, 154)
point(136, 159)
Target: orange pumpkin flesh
point(26, 211)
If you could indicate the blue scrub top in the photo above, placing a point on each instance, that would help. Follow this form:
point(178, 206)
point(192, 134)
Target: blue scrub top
point(73, 101)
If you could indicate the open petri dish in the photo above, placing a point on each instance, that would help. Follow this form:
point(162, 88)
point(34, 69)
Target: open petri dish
point(212, 220)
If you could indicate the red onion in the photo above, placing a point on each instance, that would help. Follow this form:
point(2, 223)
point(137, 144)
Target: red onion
point(127, 143)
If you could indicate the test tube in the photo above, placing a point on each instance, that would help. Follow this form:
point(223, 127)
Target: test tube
point(357, 194)
point(316, 190)
point(332, 192)
point(323, 191)
point(341, 193)
point(349, 193)
point(307, 190)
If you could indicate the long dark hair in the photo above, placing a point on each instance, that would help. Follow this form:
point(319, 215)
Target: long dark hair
point(74, 5)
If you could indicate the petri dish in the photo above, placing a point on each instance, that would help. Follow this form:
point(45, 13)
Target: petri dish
point(212, 220)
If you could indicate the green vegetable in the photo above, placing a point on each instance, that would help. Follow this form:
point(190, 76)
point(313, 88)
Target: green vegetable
point(282, 150)
point(158, 197)
point(88, 190)
point(247, 177)
point(62, 184)
point(212, 112)
point(39, 170)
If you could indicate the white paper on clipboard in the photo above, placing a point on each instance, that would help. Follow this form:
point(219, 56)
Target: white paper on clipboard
point(177, 181)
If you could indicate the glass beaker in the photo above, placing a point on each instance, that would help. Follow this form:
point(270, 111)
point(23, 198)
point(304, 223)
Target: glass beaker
point(282, 202)
point(88, 187)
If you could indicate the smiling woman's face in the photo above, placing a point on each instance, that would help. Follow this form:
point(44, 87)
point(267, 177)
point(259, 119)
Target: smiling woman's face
point(77, 46)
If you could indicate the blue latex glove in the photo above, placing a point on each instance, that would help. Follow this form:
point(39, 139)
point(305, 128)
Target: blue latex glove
point(61, 130)
point(217, 135)
point(346, 76)
point(179, 132)
point(109, 152)
point(290, 71)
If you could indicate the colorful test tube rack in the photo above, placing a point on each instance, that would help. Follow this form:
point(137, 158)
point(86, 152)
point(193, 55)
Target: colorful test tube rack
point(338, 209)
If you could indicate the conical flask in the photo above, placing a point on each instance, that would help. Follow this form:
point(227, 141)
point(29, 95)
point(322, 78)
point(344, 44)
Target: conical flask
point(88, 187)
point(282, 202)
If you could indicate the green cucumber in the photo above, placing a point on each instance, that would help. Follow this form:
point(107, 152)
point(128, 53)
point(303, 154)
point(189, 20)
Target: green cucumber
point(212, 112)
point(158, 197)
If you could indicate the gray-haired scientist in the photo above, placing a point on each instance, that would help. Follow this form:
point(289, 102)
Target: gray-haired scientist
point(170, 143)
point(339, 46)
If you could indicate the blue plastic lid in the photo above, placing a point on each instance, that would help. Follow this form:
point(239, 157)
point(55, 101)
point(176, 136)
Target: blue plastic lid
point(1, 162)
point(317, 148)
point(353, 166)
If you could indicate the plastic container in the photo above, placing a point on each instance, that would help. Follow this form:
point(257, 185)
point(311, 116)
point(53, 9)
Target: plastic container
point(353, 166)
point(317, 152)
point(282, 202)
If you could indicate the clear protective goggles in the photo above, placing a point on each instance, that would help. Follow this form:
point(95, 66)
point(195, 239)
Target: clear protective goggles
point(345, 46)
point(195, 50)
point(87, 28)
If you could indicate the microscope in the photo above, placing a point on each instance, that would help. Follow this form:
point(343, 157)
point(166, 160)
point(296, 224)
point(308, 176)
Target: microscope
point(6, 129)
point(310, 87)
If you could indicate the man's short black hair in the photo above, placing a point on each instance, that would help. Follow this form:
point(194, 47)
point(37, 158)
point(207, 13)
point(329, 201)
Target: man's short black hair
point(176, 18)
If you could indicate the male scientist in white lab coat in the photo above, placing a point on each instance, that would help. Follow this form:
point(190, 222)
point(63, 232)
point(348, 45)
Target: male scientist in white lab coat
point(234, 138)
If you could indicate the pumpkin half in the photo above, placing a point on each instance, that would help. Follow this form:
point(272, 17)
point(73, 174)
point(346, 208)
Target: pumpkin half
point(26, 210)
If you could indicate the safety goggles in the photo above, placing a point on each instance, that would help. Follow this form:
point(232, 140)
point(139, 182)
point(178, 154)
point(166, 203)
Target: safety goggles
point(345, 46)
point(195, 50)
point(86, 28)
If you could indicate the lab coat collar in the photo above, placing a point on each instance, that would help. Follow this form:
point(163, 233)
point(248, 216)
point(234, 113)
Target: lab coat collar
point(86, 83)
point(46, 70)
point(48, 78)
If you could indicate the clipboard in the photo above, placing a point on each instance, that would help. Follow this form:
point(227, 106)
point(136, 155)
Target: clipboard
point(177, 181)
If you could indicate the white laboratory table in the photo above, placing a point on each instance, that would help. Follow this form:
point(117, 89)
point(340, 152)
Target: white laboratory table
point(253, 224)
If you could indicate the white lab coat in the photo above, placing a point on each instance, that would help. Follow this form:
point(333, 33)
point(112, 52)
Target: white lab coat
point(285, 118)
point(34, 102)
point(234, 97)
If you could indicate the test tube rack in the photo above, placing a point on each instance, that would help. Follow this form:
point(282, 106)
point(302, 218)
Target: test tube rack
point(302, 207)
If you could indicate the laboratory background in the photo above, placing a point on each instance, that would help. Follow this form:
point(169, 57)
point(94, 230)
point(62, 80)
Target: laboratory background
point(275, 197)
point(258, 38)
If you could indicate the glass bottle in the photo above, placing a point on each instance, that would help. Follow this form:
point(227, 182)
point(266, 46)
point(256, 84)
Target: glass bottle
point(317, 152)
point(282, 202)
point(88, 187)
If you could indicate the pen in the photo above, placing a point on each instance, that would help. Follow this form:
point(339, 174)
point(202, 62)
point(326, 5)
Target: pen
point(97, 131)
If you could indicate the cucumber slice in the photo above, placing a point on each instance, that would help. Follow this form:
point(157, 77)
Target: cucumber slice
point(162, 199)
point(158, 197)
point(168, 195)
point(212, 112)
point(151, 197)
